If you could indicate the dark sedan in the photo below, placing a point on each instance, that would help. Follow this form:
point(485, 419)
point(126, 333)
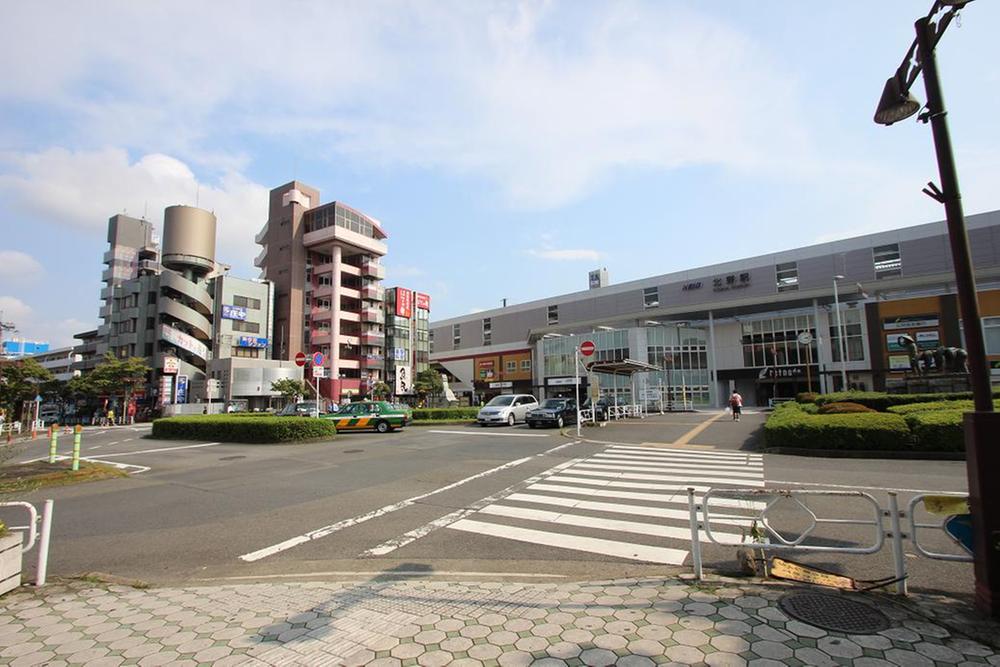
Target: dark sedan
point(553, 412)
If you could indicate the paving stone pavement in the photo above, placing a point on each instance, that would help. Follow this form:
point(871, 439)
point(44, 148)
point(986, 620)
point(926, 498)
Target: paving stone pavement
point(413, 621)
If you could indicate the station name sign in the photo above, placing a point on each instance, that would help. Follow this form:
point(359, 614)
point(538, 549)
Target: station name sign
point(778, 372)
point(730, 282)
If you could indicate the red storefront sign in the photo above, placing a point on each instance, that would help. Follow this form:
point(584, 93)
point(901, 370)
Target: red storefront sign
point(404, 302)
point(423, 301)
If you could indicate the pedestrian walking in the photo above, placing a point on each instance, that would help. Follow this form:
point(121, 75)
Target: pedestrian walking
point(736, 404)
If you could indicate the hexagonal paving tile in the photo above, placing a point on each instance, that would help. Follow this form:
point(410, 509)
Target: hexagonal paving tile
point(598, 657)
point(690, 637)
point(687, 655)
point(839, 648)
point(429, 637)
point(771, 650)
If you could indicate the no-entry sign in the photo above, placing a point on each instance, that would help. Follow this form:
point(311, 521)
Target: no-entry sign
point(587, 348)
point(300, 359)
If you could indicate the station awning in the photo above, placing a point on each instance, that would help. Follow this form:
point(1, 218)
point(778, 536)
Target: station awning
point(622, 367)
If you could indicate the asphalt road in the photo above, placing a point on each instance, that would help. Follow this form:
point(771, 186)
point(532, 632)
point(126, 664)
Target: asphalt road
point(455, 499)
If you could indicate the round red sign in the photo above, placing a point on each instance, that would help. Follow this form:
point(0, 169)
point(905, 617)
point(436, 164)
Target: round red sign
point(300, 359)
point(587, 348)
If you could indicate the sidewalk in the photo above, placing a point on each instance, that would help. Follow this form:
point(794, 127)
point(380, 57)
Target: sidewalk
point(407, 619)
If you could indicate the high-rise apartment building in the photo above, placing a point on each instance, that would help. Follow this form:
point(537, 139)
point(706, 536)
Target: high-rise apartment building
point(324, 262)
point(407, 346)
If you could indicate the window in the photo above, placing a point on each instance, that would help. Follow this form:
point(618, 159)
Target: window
point(851, 321)
point(511, 366)
point(991, 334)
point(248, 352)
point(487, 338)
point(151, 298)
point(150, 323)
point(246, 302)
point(249, 327)
point(888, 262)
point(774, 342)
point(525, 365)
point(553, 315)
point(487, 324)
point(456, 335)
point(651, 297)
point(430, 341)
point(787, 276)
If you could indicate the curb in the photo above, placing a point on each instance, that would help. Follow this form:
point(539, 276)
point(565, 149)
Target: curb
point(864, 454)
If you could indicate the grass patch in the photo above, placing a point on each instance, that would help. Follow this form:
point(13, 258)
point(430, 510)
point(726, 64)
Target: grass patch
point(229, 428)
point(24, 477)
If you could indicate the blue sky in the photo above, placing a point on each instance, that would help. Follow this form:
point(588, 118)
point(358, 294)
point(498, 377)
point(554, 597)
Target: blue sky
point(508, 148)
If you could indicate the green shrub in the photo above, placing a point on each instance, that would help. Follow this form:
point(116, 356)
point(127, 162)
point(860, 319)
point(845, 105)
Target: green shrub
point(790, 426)
point(809, 408)
point(842, 407)
point(881, 401)
point(806, 397)
point(934, 406)
point(424, 414)
point(232, 428)
point(938, 431)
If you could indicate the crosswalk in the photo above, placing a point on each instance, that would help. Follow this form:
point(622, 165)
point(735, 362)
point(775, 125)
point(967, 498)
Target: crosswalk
point(629, 502)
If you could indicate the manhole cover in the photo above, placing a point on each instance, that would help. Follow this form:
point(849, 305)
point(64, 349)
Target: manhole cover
point(833, 612)
point(353, 451)
point(231, 458)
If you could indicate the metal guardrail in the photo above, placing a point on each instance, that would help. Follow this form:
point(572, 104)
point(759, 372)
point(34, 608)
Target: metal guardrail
point(914, 528)
point(35, 535)
point(773, 496)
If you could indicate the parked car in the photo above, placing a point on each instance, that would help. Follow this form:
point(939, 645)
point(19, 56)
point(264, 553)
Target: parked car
point(602, 408)
point(300, 409)
point(380, 416)
point(553, 412)
point(506, 409)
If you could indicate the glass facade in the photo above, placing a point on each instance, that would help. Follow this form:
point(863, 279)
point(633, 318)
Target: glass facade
point(774, 341)
point(851, 319)
point(682, 353)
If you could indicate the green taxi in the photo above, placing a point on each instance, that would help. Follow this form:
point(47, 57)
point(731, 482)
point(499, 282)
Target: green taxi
point(380, 416)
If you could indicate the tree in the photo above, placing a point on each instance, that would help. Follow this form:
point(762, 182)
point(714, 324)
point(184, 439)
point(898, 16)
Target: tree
point(428, 383)
point(20, 381)
point(289, 389)
point(381, 391)
point(118, 377)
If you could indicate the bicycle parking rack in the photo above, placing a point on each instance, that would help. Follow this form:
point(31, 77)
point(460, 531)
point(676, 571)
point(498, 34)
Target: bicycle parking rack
point(776, 540)
point(35, 535)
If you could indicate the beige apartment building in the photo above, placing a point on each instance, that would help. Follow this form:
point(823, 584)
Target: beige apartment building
point(324, 260)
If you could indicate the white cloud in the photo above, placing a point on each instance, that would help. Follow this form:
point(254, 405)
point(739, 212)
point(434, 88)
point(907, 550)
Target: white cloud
point(566, 255)
point(14, 311)
point(34, 326)
point(84, 188)
point(19, 267)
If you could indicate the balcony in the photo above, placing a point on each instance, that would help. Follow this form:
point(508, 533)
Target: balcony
point(373, 270)
point(322, 290)
point(334, 234)
point(320, 312)
point(259, 259)
point(372, 315)
point(350, 316)
point(372, 293)
point(376, 338)
point(319, 337)
point(348, 339)
point(372, 361)
point(259, 238)
point(149, 266)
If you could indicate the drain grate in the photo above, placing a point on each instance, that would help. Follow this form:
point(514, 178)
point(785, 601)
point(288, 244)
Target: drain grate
point(353, 451)
point(834, 612)
point(231, 458)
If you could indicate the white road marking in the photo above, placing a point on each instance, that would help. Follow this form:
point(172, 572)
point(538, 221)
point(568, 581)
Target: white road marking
point(411, 536)
point(736, 475)
point(501, 435)
point(391, 573)
point(639, 552)
point(638, 495)
point(163, 449)
point(585, 521)
point(680, 490)
point(136, 469)
point(620, 508)
point(657, 452)
point(361, 518)
point(667, 478)
point(686, 462)
point(822, 485)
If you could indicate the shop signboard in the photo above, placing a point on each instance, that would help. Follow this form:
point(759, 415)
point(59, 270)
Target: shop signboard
point(182, 389)
point(404, 302)
point(234, 313)
point(183, 341)
point(899, 362)
point(557, 382)
point(171, 365)
point(781, 372)
point(910, 322)
point(399, 353)
point(486, 369)
point(594, 388)
point(423, 301)
point(501, 385)
point(319, 371)
point(928, 340)
point(892, 342)
point(251, 341)
point(166, 389)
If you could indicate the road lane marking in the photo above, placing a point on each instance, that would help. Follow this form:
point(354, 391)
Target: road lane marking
point(654, 452)
point(499, 435)
point(668, 478)
point(374, 514)
point(163, 449)
point(677, 461)
point(136, 469)
point(413, 535)
point(622, 508)
point(627, 550)
point(736, 475)
point(639, 495)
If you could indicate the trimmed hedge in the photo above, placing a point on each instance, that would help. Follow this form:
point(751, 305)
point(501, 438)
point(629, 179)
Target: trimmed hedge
point(881, 401)
point(425, 414)
point(806, 397)
point(843, 407)
point(791, 427)
point(938, 431)
point(933, 406)
point(230, 428)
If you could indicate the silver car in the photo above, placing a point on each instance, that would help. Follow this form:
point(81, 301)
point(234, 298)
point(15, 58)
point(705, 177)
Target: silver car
point(506, 409)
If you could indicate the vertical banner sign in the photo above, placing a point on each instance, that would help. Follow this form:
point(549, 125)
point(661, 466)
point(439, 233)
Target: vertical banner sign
point(423, 301)
point(404, 303)
point(404, 380)
point(166, 389)
point(182, 388)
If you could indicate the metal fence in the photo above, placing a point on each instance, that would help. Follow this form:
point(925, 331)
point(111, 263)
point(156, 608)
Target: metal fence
point(35, 536)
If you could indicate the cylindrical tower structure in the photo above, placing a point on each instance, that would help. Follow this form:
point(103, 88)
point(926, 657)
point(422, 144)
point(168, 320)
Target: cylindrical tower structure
point(188, 239)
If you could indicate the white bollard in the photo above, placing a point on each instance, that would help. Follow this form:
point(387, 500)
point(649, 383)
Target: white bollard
point(695, 538)
point(898, 559)
point(43, 543)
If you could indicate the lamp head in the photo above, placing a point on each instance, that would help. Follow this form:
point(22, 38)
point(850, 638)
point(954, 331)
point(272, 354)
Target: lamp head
point(895, 105)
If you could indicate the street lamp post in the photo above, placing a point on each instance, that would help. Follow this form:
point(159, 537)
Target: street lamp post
point(840, 335)
point(982, 427)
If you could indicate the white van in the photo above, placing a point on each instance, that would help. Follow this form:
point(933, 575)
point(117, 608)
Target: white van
point(506, 409)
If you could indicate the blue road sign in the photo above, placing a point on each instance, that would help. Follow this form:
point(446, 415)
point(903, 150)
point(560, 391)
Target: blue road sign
point(959, 528)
